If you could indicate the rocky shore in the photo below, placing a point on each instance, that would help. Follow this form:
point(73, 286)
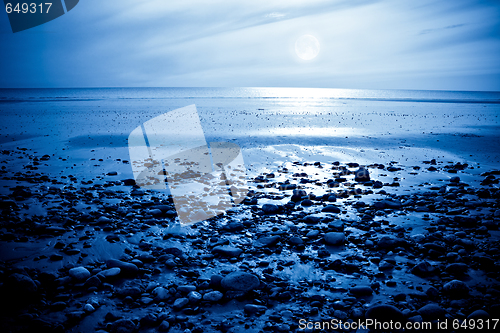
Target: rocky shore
point(312, 241)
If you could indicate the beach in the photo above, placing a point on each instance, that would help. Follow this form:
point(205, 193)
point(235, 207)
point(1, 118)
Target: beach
point(377, 205)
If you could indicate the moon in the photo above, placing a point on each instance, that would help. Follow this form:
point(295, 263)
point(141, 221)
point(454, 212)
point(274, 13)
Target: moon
point(307, 47)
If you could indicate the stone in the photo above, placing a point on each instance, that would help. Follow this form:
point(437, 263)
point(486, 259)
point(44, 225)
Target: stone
point(88, 308)
point(213, 296)
point(334, 238)
point(240, 281)
point(93, 281)
point(457, 269)
point(133, 292)
point(267, 241)
point(125, 267)
point(123, 326)
point(384, 312)
point(423, 269)
point(456, 289)
point(479, 314)
point(331, 209)
point(164, 326)
point(180, 303)
point(361, 291)
point(270, 209)
point(22, 284)
point(194, 297)
point(227, 251)
point(109, 273)
point(431, 312)
point(253, 308)
point(160, 294)
point(79, 273)
point(361, 175)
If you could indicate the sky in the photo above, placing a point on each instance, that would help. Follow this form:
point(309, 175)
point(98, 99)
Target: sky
point(363, 44)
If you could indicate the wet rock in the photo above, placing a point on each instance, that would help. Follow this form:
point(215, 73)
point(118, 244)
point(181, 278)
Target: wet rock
point(180, 303)
point(432, 312)
point(331, 209)
point(194, 297)
point(424, 269)
point(270, 209)
point(361, 175)
point(160, 294)
point(240, 281)
point(123, 326)
point(92, 281)
point(79, 273)
point(385, 312)
point(298, 195)
point(388, 242)
point(109, 273)
point(457, 269)
point(384, 265)
point(227, 251)
point(148, 320)
point(133, 292)
point(213, 296)
point(164, 326)
point(456, 289)
point(479, 314)
point(253, 308)
point(22, 284)
point(361, 291)
point(334, 238)
point(125, 267)
point(267, 241)
point(88, 308)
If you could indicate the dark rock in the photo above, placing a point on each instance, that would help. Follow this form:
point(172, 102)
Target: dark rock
point(125, 267)
point(361, 291)
point(79, 273)
point(270, 209)
point(331, 209)
point(361, 175)
point(227, 251)
point(21, 284)
point(457, 269)
point(240, 281)
point(123, 326)
point(334, 238)
point(213, 296)
point(479, 314)
point(432, 312)
point(424, 269)
point(267, 241)
point(385, 312)
point(456, 289)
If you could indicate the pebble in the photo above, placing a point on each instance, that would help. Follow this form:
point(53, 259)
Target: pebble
point(240, 281)
point(180, 303)
point(79, 273)
point(125, 267)
point(432, 312)
point(213, 296)
point(334, 238)
point(456, 289)
point(227, 251)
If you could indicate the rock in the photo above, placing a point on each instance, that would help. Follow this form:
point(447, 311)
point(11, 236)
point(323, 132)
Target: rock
point(213, 296)
point(457, 269)
point(22, 284)
point(361, 175)
point(331, 209)
point(164, 326)
point(387, 242)
point(109, 273)
point(479, 314)
point(455, 179)
point(79, 273)
point(298, 195)
point(267, 241)
point(384, 265)
point(431, 312)
point(123, 326)
point(227, 251)
point(180, 303)
point(93, 281)
point(194, 297)
point(160, 294)
point(456, 289)
point(125, 267)
point(423, 269)
point(334, 238)
point(387, 204)
point(253, 308)
point(133, 292)
point(240, 281)
point(432, 292)
point(385, 312)
point(306, 203)
point(270, 209)
point(148, 320)
point(88, 308)
point(361, 291)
